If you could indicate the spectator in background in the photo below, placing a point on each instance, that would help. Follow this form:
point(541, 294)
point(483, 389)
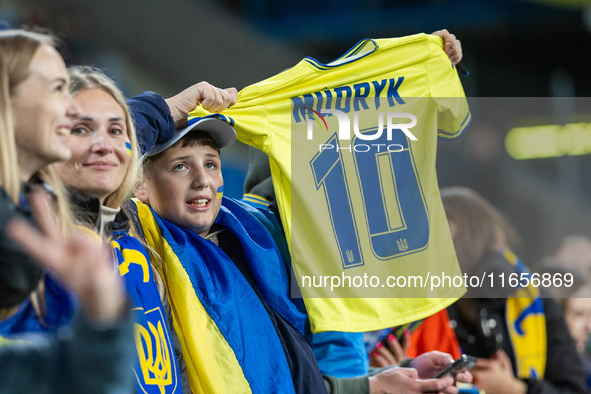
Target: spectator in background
point(577, 313)
point(574, 301)
point(575, 252)
point(521, 339)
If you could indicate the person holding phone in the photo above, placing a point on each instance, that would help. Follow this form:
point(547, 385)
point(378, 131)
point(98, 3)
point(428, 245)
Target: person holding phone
point(522, 342)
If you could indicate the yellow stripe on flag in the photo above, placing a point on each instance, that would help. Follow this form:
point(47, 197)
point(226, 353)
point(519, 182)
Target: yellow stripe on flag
point(211, 364)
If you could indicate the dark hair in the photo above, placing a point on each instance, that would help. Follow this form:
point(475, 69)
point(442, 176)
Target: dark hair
point(198, 138)
point(481, 227)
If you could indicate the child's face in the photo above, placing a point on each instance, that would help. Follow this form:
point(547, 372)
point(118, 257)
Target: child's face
point(183, 185)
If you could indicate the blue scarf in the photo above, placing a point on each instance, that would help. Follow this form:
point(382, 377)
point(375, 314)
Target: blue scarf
point(223, 327)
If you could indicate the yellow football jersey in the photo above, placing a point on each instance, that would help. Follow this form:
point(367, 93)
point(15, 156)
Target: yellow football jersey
point(362, 207)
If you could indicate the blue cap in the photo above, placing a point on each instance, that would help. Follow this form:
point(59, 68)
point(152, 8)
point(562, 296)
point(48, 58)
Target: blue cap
point(217, 125)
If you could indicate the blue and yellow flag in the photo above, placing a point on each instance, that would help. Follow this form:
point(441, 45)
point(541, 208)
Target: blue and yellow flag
point(155, 367)
point(58, 309)
point(255, 201)
point(230, 344)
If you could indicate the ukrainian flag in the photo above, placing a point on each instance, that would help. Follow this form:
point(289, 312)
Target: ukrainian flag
point(229, 343)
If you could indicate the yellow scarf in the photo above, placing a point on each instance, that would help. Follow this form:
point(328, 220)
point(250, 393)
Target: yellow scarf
point(526, 324)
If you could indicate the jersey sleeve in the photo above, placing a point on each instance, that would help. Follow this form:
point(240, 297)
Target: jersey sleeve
point(251, 116)
point(447, 93)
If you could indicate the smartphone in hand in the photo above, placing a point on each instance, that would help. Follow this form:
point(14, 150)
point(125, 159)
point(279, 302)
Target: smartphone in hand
point(464, 361)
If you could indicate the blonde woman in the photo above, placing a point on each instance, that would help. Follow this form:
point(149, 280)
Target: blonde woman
point(33, 77)
point(100, 176)
point(39, 114)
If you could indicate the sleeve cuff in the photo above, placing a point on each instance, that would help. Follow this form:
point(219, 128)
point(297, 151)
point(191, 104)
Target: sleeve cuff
point(357, 385)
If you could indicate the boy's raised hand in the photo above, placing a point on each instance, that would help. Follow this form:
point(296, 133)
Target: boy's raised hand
point(451, 45)
point(208, 96)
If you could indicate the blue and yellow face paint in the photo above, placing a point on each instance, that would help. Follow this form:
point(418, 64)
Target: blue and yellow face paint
point(128, 148)
point(220, 192)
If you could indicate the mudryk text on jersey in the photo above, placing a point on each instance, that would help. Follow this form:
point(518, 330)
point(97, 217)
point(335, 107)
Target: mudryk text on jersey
point(347, 98)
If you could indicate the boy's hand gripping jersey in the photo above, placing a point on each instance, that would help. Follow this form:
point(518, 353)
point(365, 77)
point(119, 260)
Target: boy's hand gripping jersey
point(356, 188)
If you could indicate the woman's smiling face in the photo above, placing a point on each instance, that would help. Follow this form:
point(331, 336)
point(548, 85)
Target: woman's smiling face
point(100, 146)
point(43, 112)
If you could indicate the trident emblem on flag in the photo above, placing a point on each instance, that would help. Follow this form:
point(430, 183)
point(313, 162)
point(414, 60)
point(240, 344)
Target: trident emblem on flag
point(402, 244)
point(350, 257)
point(154, 355)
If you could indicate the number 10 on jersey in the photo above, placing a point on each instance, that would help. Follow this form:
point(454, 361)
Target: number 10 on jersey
point(396, 216)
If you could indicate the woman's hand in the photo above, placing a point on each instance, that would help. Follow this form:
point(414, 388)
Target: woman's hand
point(393, 354)
point(495, 376)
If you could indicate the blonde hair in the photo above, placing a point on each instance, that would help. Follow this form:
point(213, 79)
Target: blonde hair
point(9, 178)
point(17, 49)
point(480, 226)
point(84, 78)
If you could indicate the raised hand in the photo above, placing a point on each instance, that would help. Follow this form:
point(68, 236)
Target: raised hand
point(208, 96)
point(451, 45)
point(84, 262)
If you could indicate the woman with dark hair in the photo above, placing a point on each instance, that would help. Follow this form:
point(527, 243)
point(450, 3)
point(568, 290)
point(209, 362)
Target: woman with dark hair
point(521, 339)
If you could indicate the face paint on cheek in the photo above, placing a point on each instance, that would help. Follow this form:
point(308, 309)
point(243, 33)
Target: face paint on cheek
point(220, 192)
point(128, 148)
